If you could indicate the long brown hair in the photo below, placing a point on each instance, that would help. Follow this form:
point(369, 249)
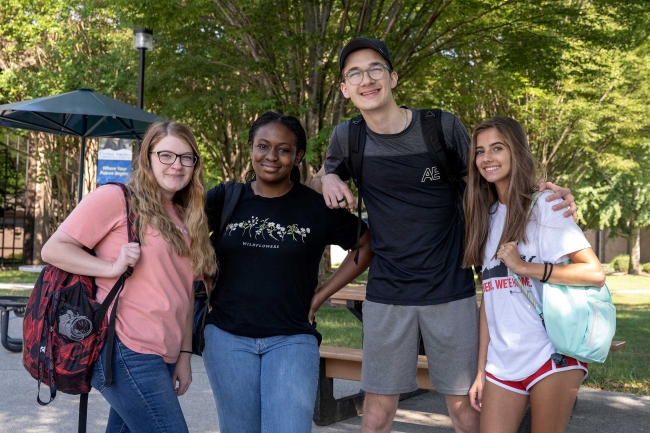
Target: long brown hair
point(147, 203)
point(481, 195)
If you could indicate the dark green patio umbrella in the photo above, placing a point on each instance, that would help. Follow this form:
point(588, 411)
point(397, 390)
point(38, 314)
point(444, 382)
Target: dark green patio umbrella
point(82, 113)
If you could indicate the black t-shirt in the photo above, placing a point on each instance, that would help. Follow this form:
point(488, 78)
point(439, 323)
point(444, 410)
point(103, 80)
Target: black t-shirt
point(269, 256)
point(416, 230)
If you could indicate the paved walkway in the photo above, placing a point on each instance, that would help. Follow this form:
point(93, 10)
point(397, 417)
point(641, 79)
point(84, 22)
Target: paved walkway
point(16, 286)
point(597, 411)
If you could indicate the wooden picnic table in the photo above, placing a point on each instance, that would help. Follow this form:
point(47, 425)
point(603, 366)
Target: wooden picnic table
point(352, 297)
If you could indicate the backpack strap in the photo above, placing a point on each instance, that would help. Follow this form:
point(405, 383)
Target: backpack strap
point(234, 191)
point(356, 148)
point(431, 120)
point(113, 295)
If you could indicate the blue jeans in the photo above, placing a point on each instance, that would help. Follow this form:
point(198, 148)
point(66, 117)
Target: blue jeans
point(262, 385)
point(142, 396)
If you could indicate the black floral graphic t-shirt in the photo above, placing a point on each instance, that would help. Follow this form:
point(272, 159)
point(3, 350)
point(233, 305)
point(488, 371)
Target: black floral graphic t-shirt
point(269, 255)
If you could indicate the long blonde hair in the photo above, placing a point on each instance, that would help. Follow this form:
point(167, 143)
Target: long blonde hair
point(480, 195)
point(147, 202)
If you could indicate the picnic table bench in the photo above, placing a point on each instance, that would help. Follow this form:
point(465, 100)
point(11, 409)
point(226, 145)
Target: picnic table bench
point(17, 305)
point(345, 363)
point(8, 304)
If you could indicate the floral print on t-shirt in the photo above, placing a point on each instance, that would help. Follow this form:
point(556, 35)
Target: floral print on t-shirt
point(256, 227)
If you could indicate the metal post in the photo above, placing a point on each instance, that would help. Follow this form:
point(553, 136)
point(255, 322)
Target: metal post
point(81, 168)
point(140, 92)
point(141, 79)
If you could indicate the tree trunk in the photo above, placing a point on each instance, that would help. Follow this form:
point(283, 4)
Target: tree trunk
point(634, 249)
point(325, 265)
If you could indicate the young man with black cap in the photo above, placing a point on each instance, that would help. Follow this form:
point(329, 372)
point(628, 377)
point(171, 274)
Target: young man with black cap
point(416, 283)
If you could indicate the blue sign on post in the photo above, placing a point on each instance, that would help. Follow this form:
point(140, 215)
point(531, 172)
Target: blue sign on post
point(114, 161)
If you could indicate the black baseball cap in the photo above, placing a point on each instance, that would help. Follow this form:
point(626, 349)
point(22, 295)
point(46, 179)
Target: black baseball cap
point(359, 43)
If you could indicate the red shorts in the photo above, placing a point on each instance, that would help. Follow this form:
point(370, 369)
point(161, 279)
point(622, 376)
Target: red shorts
point(549, 367)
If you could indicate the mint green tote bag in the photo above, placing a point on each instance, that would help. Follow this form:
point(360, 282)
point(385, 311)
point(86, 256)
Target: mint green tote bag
point(580, 320)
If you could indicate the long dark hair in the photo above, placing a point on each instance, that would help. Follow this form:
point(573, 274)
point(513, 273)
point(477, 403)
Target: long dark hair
point(294, 126)
point(480, 195)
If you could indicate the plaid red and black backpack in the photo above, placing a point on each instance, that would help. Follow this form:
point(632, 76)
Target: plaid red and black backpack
point(65, 329)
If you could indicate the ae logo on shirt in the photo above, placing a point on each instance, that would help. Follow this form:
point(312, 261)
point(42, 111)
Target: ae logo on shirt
point(431, 174)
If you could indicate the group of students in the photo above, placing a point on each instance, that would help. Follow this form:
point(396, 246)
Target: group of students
point(261, 340)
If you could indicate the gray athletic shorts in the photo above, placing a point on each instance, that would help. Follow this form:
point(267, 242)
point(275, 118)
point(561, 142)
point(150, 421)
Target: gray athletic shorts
point(391, 342)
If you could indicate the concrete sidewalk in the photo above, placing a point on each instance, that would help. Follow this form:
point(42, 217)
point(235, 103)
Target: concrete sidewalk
point(596, 411)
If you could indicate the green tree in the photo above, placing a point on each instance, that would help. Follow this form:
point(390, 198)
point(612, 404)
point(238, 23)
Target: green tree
point(218, 64)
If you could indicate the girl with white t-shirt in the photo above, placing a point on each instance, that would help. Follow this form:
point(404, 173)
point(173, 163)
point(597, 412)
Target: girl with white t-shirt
point(515, 365)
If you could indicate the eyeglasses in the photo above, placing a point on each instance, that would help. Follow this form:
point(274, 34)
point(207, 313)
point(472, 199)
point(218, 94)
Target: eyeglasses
point(355, 76)
point(168, 158)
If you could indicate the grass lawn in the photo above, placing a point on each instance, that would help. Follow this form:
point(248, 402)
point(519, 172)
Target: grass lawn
point(627, 370)
point(18, 277)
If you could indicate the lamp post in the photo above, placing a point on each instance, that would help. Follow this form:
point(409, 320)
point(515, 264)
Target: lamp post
point(142, 41)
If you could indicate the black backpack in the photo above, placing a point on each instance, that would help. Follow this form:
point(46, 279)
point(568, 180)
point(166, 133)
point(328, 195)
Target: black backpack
point(234, 191)
point(431, 121)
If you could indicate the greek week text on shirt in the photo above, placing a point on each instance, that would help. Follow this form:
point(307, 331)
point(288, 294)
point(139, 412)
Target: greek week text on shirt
point(519, 345)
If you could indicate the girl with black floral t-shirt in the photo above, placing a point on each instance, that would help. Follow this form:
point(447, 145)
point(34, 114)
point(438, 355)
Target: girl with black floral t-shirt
point(261, 343)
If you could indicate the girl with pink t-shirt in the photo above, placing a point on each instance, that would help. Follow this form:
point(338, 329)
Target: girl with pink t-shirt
point(153, 343)
point(517, 362)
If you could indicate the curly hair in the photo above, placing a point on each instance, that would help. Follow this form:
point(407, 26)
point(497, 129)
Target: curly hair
point(293, 124)
point(147, 203)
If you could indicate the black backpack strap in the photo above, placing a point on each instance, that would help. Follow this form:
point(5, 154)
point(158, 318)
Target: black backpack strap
point(114, 295)
point(431, 121)
point(234, 191)
point(357, 146)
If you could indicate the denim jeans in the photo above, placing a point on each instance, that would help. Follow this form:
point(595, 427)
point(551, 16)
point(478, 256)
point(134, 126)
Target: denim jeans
point(142, 396)
point(262, 385)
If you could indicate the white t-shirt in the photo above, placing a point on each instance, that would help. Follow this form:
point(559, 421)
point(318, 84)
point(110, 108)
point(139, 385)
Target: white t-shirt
point(519, 345)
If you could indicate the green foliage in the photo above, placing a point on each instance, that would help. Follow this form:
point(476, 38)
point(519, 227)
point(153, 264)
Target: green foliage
point(576, 74)
point(621, 263)
point(646, 268)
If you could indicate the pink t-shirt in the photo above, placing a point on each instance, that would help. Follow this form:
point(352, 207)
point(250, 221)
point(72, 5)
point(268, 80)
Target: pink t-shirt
point(157, 298)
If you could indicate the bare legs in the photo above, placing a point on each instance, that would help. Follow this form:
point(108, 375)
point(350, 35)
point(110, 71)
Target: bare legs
point(551, 401)
point(379, 411)
point(462, 414)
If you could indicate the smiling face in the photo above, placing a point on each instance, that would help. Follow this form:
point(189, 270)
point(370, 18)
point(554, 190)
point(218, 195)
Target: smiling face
point(371, 94)
point(171, 178)
point(493, 158)
point(274, 153)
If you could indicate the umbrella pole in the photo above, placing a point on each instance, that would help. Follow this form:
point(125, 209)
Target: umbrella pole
point(81, 168)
